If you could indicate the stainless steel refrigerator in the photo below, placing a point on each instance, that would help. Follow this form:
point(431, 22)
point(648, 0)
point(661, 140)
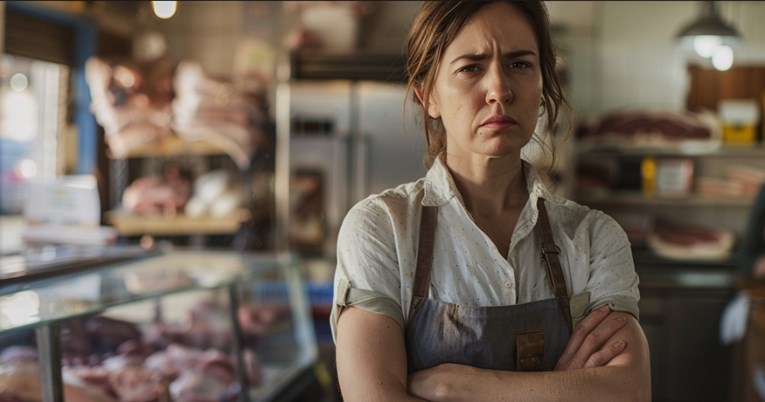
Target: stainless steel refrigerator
point(347, 139)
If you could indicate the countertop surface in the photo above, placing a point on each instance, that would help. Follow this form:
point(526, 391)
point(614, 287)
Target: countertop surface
point(656, 272)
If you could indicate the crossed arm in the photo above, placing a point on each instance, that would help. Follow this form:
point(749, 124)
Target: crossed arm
point(606, 359)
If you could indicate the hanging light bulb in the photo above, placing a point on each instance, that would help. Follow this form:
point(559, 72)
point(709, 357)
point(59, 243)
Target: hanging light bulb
point(705, 45)
point(722, 59)
point(164, 9)
point(709, 31)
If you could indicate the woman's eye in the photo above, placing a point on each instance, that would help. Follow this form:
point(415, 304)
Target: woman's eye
point(468, 69)
point(520, 65)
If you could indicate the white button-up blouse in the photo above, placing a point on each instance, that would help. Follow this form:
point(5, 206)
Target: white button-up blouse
point(377, 253)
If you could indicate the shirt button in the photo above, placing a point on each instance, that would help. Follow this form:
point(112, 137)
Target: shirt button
point(509, 284)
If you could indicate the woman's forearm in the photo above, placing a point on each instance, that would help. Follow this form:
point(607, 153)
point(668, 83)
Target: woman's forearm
point(465, 383)
point(625, 378)
point(371, 358)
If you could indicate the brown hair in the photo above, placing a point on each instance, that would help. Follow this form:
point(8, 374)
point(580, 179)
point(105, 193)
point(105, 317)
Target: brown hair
point(436, 25)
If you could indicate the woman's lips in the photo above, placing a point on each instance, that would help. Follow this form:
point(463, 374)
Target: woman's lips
point(499, 122)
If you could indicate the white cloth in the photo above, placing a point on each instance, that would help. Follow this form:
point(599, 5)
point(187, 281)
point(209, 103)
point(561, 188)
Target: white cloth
point(734, 318)
point(377, 251)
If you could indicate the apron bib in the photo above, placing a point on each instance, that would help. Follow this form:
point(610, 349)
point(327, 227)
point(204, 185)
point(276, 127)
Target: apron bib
point(521, 337)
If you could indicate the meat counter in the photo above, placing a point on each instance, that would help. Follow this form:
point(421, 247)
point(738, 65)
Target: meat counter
point(169, 326)
point(681, 305)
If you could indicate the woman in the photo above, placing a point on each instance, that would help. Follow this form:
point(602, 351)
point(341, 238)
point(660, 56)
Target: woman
point(457, 286)
point(752, 250)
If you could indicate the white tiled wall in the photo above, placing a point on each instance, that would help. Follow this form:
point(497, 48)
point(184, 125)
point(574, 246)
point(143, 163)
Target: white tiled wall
point(205, 31)
point(624, 53)
point(621, 53)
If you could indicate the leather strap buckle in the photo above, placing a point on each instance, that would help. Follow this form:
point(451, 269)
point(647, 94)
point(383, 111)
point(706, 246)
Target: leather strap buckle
point(550, 249)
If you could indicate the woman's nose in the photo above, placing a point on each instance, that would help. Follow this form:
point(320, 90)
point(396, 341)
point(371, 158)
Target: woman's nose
point(498, 88)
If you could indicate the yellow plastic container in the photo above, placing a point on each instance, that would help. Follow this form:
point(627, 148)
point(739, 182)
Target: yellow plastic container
point(739, 134)
point(648, 174)
point(739, 119)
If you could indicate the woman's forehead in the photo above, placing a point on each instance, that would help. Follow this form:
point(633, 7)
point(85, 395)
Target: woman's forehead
point(498, 25)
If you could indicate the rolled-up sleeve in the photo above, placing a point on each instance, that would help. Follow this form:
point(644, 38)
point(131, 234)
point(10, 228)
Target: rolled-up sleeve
point(613, 279)
point(367, 274)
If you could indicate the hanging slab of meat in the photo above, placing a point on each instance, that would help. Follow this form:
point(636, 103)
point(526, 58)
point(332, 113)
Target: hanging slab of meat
point(219, 113)
point(691, 243)
point(131, 102)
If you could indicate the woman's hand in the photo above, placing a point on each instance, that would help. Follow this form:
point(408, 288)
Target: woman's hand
point(591, 343)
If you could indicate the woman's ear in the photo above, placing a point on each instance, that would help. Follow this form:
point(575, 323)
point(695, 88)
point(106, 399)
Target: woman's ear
point(430, 106)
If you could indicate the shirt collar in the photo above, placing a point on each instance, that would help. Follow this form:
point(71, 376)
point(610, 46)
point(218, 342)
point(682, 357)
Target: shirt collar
point(439, 185)
point(440, 188)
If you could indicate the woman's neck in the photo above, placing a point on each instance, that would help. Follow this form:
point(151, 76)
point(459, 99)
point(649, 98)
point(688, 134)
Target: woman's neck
point(489, 186)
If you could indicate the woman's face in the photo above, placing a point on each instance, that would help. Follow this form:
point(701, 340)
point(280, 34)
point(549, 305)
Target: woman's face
point(488, 87)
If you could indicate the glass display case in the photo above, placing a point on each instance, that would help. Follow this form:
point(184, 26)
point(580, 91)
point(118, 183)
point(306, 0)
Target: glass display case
point(163, 326)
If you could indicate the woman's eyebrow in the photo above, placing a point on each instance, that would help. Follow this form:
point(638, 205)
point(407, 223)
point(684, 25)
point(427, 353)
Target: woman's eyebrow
point(484, 56)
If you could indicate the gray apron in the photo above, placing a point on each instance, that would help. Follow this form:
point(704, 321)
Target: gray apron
point(522, 337)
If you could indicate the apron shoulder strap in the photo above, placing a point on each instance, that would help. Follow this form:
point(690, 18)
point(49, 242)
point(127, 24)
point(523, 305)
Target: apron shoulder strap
point(424, 257)
point(551, 255)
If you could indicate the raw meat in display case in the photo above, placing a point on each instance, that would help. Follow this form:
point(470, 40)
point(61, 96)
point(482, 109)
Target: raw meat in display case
point(200, 341)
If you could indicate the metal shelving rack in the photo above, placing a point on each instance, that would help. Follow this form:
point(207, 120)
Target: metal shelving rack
point(696, 150)
point(203, 157)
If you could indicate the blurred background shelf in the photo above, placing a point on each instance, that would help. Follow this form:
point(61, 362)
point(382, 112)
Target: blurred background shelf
point(132, 225)
point(173, 146)
point(685, 149)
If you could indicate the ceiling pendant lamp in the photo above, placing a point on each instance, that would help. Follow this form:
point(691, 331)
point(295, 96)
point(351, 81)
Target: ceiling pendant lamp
point(164, 9)
point(709, 32)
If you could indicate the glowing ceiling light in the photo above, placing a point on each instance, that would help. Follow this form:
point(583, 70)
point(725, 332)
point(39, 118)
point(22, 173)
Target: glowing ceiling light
point(705, 45)
point(709, 31)
point(722, 59)
point(164, 9)
point(19, 82)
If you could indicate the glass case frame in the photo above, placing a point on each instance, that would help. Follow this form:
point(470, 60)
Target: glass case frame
point(78, 292)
